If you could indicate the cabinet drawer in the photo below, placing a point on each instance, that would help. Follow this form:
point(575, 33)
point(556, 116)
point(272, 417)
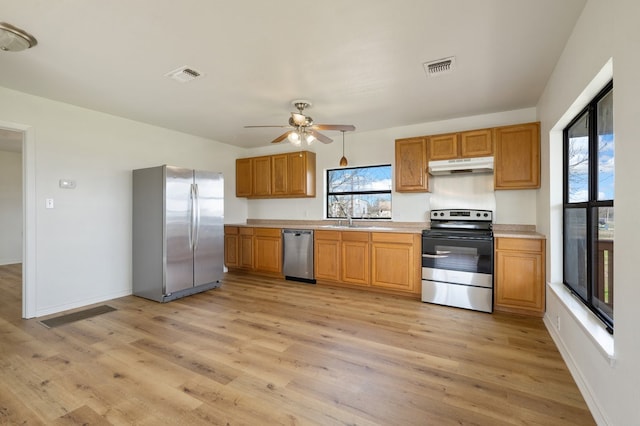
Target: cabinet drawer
point(327, 235)
point(267, 232)
point(246, 231)
point(519, 244)
point(355, 236)
point(231, 230)
point(391, 237)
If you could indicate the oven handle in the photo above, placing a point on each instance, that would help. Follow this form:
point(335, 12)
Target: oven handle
point(435, 256)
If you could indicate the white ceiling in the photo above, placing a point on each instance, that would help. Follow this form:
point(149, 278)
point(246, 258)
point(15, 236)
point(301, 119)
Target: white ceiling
point(358, 61)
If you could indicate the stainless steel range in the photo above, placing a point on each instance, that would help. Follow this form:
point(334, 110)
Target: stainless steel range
point(457, 259)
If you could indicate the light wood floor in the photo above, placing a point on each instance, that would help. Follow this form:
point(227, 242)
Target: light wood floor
point(260, 351)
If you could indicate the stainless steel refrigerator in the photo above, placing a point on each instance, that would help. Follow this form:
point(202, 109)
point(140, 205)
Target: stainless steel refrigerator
point(178, 232)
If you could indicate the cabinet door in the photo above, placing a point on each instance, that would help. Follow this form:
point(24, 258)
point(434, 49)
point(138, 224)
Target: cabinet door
point(268, 250)
point(243, 177)
point(517, 156)
point(355, 258)
point(476, 143)
point(411, 165)
point(279, 174)
point(302, 172)
point(394, 261)
point(327, 255)
point(261, 176)
point(519, 271)
point(245, 249)
point(443, 147)
point(231, 245)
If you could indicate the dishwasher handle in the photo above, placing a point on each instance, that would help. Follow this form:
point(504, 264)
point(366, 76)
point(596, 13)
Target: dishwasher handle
point(297, 232)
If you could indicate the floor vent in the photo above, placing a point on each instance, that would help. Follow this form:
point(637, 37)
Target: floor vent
point(440, 67)
point(184, 74)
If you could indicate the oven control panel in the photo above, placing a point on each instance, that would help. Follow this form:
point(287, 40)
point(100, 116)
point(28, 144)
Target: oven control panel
point(466, 215)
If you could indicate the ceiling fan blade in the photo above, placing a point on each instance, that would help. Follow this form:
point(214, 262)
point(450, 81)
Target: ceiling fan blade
point(341, 127)
point(322, 138)
point(299, 119)
point(249, 127)
point(281, 137)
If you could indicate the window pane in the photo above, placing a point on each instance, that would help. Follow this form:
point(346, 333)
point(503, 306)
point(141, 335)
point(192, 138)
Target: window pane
point(375, 178)
point(605, 148)
point(575, 250)
point(360, 206)
point(578, 161)
point(603, 283)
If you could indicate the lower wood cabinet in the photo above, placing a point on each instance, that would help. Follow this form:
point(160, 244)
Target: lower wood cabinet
point(231, 246)
point(395, 261)
point(326, 249)
point(267, 250)
point(385, 261)
point(238, 247)
point(355, 258)
point(519, 276)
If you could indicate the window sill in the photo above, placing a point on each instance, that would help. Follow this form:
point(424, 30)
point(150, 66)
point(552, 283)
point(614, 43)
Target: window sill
point(592, 326)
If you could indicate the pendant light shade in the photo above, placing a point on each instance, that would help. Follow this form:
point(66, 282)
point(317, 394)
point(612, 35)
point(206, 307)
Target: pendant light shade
point(343, 160)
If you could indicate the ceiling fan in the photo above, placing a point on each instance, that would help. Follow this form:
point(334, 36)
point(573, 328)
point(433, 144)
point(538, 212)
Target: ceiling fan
point(303, 128)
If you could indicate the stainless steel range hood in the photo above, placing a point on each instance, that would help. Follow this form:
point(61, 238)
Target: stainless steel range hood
point(461, 165)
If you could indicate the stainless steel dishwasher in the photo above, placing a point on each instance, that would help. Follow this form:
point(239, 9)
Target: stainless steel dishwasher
point(297, 259)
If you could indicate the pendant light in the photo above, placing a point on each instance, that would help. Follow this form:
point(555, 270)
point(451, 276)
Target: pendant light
point(343, 160)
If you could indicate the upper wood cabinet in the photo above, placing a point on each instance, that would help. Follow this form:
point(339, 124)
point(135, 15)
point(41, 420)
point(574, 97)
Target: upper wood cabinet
point(476, 143)
point(443, 147)
point(244, 177)
point(301, 177)
point(277, 176)
point(261, 182)
point(473, 143)
point(517, 156)
point(411, 165)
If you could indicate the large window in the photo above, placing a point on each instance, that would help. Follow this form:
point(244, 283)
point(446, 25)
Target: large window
point(359, 192)
point(589, 220)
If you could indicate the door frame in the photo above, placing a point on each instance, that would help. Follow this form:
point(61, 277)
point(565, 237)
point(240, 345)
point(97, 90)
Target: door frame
point(28, 216)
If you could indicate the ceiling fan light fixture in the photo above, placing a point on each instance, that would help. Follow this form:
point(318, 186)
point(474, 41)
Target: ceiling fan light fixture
point(309, 138)
point(294, 138)
point(13, 39)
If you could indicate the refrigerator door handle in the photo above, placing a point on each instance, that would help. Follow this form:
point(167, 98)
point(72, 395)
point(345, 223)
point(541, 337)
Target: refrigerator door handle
point(196, 216)
point(191, 213)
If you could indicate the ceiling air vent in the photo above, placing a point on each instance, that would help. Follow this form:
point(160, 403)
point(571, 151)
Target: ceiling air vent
point(184, 74)
point(440, 67)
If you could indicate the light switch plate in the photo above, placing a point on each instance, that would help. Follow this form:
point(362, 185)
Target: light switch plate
point(49, 203)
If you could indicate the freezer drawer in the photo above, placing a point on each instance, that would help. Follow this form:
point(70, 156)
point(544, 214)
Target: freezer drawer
point(297, 259)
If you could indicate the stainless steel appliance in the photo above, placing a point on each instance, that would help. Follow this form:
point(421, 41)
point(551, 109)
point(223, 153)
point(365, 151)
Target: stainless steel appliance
point(178, 234)
point(457, 259)
point(297, 260)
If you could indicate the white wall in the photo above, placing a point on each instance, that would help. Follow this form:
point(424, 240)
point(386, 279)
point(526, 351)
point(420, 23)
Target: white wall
point(10, 207)
point(83, 245)
point(605, 30)
point(378, 147)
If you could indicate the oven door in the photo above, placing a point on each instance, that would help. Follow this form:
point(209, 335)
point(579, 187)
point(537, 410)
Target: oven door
point(458, 260)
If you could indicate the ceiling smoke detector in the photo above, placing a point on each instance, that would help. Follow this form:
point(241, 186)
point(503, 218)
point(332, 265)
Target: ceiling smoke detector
point(184, 74)
point(440, 67)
